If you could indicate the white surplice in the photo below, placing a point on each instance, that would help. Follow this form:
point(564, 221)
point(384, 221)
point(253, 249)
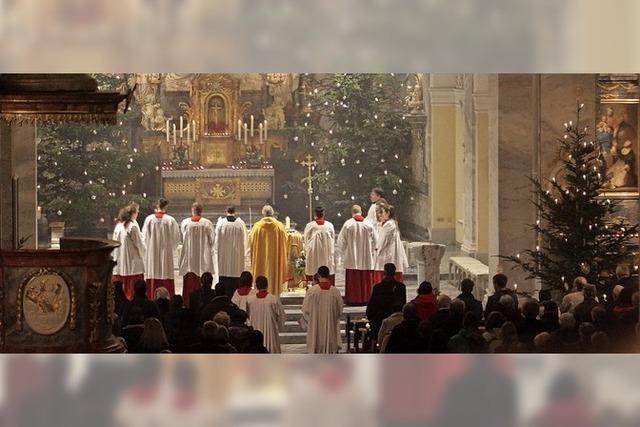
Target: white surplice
point(319, 246)
point(372, 217)
point(267, 316)
point(161, 236)
point(198, 238)
point(390, 249)
point(322, 309)
point(241, 300)
point(129, 256)
point(357, 243)
point(232, 247)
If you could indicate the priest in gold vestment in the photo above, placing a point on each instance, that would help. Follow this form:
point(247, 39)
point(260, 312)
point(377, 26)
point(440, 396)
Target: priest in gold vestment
point(269, 251)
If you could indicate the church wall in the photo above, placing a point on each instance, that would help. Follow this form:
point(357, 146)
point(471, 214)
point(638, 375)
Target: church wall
point(482, 184)
point(459, 168)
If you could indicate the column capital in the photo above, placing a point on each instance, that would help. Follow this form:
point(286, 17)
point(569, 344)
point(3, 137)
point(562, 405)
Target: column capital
point(446, 96)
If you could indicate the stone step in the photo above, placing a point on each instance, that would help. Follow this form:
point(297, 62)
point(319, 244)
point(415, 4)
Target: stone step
point(294, 314)
point(301, 337)
point(294, 326)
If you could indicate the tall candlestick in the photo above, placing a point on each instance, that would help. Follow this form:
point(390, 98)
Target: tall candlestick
point(260, 132)
point(265, 130)
point(252, 125)
point(193, 123)
point(167, 132)
point(239, 129)
point(245, 133)
point(174, 134)
point(180, 126)
point(287, 223)
point(188, 134)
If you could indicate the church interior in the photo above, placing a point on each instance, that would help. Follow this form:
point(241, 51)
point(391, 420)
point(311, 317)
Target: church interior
point(457, 155)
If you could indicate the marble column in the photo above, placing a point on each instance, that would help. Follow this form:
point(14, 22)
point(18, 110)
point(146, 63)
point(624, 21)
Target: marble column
point(469, 224)
point(481, 177)
point(18, 171)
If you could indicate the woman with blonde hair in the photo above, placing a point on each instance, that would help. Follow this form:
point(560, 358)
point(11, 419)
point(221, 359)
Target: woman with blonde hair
point(153, 339)
point(390, 248)
point(129, 255)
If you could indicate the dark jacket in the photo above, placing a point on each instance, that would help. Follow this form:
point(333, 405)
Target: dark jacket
point(405, 338)
point(198, 299)
point(471, 304)
point(528, 328)
point(549, 322)
point(493, 303)
point(468, 340)
point(221, 303)
point(384, 297)
point(582, 313)
point(149, 309)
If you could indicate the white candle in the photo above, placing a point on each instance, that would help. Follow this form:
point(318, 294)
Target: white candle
point(245, 133)
point(167, 132)
point(193, 124)
point(252, 125)
point(260, 132)
point(265, 130)
point(287, 220)
point(174, 134)
point(239, 129)
point(180, 126)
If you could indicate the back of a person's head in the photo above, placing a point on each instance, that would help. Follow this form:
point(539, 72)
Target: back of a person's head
point(600, 341)
point(530, 309)
point(162, 203)
point(617, 290)
point(410, 312)
point(541, 341)
point(509, 332)
point(507, 302)
point(579, 282)
point(457, 306)
point(500, 281)
point(255, 338)
point(467, 286)
point(319, 211)
point(231, 210)
point(623, 270)
point(196, 208)
point(246, 279)
point(262, 283)
point(589, 291)
point(219, 289)
point(207, 280)
point(140, 288)
point(598, 315)
point(495, 319)
point(324, 272)
point(239, 317)
point(153, 337)
point(267, 210)
point(161, 293)
point(222, 318)
point(567, 321)
point(356, 209)
point(544, 295)
point(397, 306)
point(586, 330)
point(550, 308)
point(425, 288)
point(209, 329)
point(389, 269)
point(444, 301)
point(135, 315)
point(177, 301)
point(470, 320)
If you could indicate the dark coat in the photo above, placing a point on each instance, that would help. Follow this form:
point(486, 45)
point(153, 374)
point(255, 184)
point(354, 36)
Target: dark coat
point(384, 297)
point(471, 304)
point(221, 303)
point(149, 309)
point(198, 299)
point(405, 338)
point(493, 303)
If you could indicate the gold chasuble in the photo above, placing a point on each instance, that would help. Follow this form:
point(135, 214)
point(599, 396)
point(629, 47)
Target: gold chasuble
point(269, 253)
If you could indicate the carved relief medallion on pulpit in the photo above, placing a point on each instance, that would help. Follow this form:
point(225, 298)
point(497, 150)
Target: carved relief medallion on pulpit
point(45, 302)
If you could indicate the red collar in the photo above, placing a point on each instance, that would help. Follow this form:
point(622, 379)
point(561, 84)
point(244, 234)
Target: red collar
point(358, 217)
point(196, 218)
point(244, 290)
point(320, 221)
point(262, 293)
point(324, 285)
point(159, 215)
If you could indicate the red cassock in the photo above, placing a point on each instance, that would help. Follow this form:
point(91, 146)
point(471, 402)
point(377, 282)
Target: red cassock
point(190, 284)
point(357, 243)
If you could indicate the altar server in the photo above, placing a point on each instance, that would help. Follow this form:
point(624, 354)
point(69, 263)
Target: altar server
point(244, 291)
point(322, 308)
point(376, 197)
point(196, 258)
point(266, 314)
point(319, 244)
point(232, 250)
point(357, 244)
point(390, 249)
point(161, 235)
point(129, 256)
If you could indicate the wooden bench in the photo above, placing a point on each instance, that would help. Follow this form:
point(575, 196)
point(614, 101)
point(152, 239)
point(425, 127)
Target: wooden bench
point(462, 267)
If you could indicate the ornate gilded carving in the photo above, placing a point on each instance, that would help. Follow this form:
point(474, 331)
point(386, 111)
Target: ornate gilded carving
point(46, 300)
point(213, 190)
point(414, 98)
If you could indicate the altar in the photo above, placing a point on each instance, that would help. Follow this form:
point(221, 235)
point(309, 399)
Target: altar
point(215, 189)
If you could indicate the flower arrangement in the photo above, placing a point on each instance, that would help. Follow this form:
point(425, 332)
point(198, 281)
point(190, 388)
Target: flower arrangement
point(299, 265)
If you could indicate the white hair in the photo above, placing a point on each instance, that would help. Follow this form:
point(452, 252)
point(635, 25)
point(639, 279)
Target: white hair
point(267, 210)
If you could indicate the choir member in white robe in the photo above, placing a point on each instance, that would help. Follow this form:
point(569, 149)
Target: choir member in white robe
point(322, 308)
point(129, 256)
point(244, 291)
point(376, 197)
point(390, 249)
point(319, 246)
point(266, 314)
point(161, 236)
point(196, 257)
point(357, 244)
point(232, 250)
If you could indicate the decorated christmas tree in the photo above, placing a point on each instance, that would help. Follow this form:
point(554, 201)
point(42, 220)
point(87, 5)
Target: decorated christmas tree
point(354, 126)
point(578, 231)
point(86, 173)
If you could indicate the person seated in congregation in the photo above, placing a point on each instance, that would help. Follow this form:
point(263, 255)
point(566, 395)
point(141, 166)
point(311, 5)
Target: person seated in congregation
point(529, 326)
point(266, 314)
point(153, 339)
point(387, 326)
point(239, 330)
point(585, 332)
point(181, 326)
point(244, 290)
point(500, 287)
point(470, 302)
point(384, 296)
point(149, 308)
point(492, 327)
point(509, 341)
point(163, 300)
point(468, 339)
point(582, 312)
point(202, 296)
point(322, 310)
point(630, 285)
point(575, 297)
point(549, 317)
point(255, 343)
point(132, 332)
point(215, 339)
point(221, 302)
point(405, 337)
point(565, 339)
point(541, 343)
point(506, 306)
point(446, 322)
point(426, 302)
point(628, 322)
